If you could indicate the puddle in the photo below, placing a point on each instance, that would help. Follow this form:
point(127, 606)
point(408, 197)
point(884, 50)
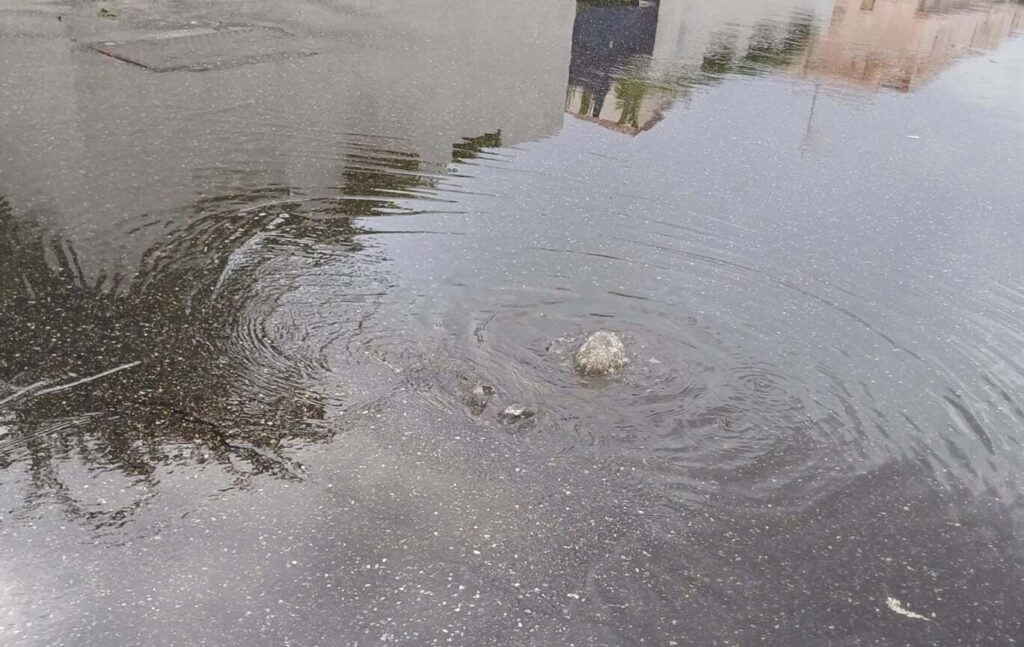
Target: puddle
point(263, 327)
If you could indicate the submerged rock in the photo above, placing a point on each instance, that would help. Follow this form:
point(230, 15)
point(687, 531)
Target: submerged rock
point(477, 398)
point(516, 413)
point(603, 353)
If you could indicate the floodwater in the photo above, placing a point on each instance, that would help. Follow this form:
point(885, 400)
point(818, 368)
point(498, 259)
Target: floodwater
point(257, 257)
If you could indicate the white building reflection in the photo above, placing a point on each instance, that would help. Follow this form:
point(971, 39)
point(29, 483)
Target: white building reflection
point(111, 158)
point(632, 61)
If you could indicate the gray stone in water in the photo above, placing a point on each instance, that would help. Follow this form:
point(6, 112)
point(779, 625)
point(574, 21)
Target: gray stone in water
point(482, 392)
point(603, 353)
point(478, 397)
point(516, 413)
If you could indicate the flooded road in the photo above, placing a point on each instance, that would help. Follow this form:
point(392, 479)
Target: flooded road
point(271, 273)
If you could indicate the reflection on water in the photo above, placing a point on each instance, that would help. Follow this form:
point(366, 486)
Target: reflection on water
point(177, 331)
point(632, 61)
point(187, 359)
point(248, 315)
point(900, 44)
point(606, 37)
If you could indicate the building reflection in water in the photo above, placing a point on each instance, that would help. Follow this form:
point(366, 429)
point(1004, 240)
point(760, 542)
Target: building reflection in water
point(633, 60)
point(901, 44)
point(606, 38)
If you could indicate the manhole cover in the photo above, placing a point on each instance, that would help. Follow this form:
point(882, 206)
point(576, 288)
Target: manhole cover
point(197, 50)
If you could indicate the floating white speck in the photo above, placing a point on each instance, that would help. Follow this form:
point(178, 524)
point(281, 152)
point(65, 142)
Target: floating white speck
point(914, 137)
point(897, 607)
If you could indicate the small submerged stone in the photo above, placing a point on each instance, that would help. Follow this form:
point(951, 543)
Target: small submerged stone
point(482, 391)
point(603, 353)
point(516, 413)
point(477, 398)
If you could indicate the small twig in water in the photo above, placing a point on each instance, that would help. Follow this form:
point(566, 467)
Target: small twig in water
point(17, 394)
point(36, 389)
point(85, 380)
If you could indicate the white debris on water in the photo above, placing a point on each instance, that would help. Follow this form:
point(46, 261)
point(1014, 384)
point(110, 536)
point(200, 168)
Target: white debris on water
point(897, 607)
point(603, 353)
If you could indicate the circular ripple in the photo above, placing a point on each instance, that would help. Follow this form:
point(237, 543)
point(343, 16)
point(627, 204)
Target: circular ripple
point(691, 405)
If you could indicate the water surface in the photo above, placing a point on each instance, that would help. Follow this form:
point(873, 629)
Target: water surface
point(246, 301)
